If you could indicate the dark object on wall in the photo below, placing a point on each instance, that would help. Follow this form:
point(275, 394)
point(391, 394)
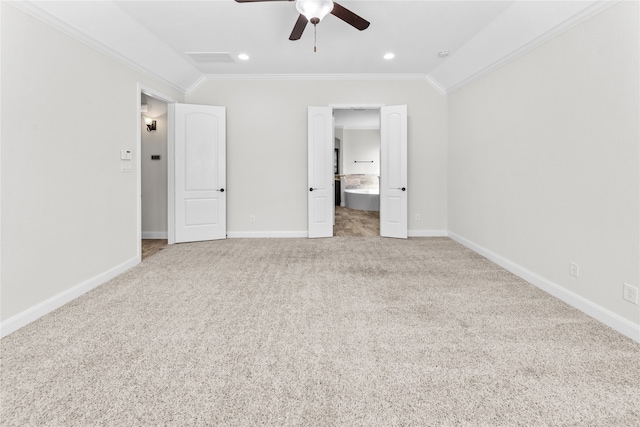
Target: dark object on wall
point(151, 124)
point(155, 157)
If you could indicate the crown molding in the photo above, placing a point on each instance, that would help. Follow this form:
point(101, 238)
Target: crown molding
point(575, 20)
point(195, 85)
point(42, 15)
point(314, 76)
point(39, 14)
point(310, 77)
point(436, 85)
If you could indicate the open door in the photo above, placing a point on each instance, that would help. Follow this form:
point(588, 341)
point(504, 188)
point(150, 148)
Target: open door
point(320, 181)
point(197, 207)
point(393, 171)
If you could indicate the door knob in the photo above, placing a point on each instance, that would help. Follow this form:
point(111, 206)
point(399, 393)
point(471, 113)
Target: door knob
point(221, 190)
point(311, 189)
point(403, 189)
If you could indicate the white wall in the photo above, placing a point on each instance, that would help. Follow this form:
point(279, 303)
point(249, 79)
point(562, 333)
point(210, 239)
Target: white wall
point(154, 179)
point(267, 146)
point(69, 215)
point(544, 161)
point(361, 145)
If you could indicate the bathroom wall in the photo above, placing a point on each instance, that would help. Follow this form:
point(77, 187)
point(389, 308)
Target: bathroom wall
point(361, 182)
point(360, 147)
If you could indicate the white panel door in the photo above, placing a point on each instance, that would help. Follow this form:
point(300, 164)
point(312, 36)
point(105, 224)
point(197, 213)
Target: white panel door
point(320, 181)
point(393, 171)
point(199, 143)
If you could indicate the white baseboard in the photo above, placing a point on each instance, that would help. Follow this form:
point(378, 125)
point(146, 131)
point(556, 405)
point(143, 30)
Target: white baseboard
point(609, 318)
point(427, 233)
point(266, 234)
point(304, 233)
point(29, 315)
point(155, 235)
point(298, 234)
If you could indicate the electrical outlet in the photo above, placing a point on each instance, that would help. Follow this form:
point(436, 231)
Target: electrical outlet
point(574, 270)
point(417, 217)
point(630, 293)
point(252, 218)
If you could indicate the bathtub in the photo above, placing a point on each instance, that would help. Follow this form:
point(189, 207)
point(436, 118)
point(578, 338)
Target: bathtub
point(362, 199)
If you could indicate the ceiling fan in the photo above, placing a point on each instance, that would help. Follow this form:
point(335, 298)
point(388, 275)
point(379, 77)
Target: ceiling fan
point(314, 10)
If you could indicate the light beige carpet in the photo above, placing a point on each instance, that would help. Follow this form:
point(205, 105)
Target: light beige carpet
point(332, 332)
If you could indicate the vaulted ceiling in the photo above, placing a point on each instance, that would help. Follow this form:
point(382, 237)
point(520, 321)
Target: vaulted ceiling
point(160, 37)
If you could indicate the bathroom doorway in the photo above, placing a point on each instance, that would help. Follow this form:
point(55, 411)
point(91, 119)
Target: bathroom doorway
point(357, 171)
point(393, 189)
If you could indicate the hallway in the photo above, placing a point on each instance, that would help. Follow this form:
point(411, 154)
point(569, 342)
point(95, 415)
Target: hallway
point(152, 246)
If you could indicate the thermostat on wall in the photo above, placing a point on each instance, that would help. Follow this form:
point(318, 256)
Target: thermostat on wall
point(126, 154)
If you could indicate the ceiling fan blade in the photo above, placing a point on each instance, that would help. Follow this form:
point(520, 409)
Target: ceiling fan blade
point(298, 28)
point(349, 17)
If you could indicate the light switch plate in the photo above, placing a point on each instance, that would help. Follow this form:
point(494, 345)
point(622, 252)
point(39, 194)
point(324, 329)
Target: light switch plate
point(126, 154)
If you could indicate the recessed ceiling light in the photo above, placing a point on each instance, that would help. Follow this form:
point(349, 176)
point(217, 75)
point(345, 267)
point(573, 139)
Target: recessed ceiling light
point(443, 53)
point(243, 56)
point(389, 56)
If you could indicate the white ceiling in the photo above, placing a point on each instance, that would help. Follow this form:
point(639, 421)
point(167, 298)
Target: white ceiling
point(155, 107)
point(154, 37)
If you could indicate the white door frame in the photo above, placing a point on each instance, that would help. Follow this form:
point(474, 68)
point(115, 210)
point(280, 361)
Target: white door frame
point(140, 89)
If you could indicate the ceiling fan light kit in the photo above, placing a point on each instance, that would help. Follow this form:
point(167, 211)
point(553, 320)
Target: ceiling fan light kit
point(314, 11)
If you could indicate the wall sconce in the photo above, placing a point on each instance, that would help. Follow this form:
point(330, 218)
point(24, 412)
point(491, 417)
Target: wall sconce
point(151, 124)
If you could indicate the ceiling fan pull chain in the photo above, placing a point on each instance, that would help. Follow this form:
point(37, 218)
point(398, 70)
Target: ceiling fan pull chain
point(314, 37)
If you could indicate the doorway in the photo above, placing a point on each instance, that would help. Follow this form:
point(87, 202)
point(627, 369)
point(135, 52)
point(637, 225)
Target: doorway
point(357, 144)
point(392, 179)
point(153, 170)
point(152, 164)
